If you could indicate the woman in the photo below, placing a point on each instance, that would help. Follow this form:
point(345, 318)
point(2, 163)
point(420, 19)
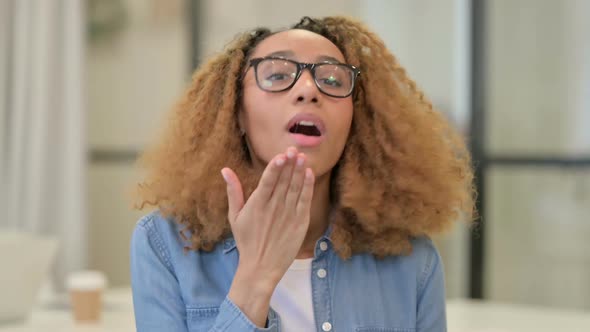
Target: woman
point(335, 169)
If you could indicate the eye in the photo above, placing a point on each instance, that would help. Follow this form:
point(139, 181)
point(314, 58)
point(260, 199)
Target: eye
point(331, 81)
point(279, 76)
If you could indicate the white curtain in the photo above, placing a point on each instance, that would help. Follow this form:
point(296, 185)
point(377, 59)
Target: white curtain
point(42, 124)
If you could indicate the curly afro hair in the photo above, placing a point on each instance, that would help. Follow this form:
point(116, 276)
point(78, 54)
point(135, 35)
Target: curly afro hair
point(405, 171)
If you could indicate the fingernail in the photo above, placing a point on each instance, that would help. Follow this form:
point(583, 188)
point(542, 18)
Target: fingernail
point(300, 160)
point(290, 153)
point(280, 161)
point(225, 176)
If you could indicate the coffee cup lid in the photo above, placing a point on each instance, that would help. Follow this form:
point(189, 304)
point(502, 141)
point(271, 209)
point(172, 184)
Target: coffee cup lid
point(86, 280)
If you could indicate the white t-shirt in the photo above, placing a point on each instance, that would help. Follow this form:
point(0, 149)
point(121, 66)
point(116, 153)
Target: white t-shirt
point(292, 298)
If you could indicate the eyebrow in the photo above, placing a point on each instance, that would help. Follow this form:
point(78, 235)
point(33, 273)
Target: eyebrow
point(288, 54)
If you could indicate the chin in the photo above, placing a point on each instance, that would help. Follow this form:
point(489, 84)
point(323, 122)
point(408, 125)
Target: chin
point(320, 170)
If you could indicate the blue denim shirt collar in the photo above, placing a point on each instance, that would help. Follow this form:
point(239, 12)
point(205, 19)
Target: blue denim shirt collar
point(229, 244)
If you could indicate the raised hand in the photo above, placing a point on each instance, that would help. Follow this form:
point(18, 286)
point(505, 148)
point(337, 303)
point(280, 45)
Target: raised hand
point(269, 228)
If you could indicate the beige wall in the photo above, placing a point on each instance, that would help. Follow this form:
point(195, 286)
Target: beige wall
point(134, 76)
point(538, 104)
point(223, 19)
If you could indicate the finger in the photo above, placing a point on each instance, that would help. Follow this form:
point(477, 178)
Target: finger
point(304, 203)
point(235, 194)
point(269, 177)
point(280, 189)
point(296, 183)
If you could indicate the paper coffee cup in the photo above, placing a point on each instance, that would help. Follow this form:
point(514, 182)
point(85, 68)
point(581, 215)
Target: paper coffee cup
point(85, 289)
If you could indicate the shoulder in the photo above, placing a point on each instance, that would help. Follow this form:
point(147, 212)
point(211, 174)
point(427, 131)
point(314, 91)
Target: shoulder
point(158, 249)
point(416, 267)
point(424, 251)
point(419, 262)
point(157, 234)
point(162, 236)
point(157, 227)
point(426, 257)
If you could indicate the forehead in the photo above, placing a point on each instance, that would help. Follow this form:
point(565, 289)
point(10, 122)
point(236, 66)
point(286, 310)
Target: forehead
point(305, 46)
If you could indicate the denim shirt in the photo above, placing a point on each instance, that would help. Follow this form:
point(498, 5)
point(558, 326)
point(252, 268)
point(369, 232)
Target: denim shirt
point(174, 290)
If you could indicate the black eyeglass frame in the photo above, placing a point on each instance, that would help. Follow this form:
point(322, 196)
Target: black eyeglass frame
point(300, 67)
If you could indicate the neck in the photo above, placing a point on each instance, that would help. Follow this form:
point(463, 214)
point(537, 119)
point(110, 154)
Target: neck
point(319, 218)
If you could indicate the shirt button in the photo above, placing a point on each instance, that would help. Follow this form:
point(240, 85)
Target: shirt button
point(323, 246)
point(327, 326)
point(322, 274)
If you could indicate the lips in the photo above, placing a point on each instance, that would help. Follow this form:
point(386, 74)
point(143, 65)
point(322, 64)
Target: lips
point(306, 130)
point(307, 124)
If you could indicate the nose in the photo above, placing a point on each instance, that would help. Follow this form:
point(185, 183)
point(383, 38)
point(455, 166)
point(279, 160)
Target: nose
point(305, 89)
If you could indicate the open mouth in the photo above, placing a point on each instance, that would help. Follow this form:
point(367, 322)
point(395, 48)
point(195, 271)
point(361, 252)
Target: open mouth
point(307, 128)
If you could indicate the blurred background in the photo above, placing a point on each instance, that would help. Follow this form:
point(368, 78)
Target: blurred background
point(84, 85)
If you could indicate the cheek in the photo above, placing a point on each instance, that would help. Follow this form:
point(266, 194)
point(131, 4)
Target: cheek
point(259, 115)
point(255, 115)
point(261, 122)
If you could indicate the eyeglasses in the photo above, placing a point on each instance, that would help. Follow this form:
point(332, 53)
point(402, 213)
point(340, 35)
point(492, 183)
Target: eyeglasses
point(278, 74)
